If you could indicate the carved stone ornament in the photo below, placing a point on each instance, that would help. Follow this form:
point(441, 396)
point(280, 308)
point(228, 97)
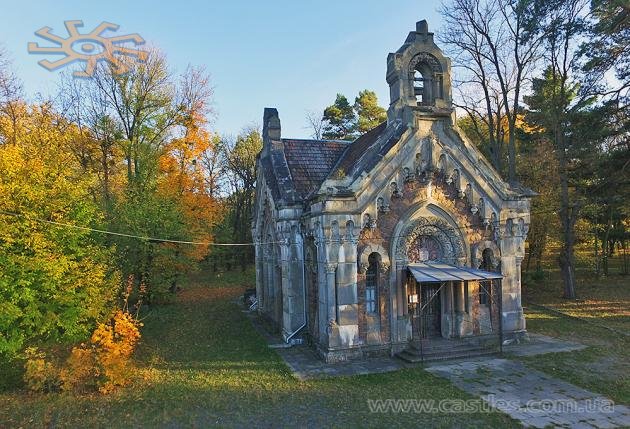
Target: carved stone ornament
point(448, 238)
point(363, 267)
point(369, 222)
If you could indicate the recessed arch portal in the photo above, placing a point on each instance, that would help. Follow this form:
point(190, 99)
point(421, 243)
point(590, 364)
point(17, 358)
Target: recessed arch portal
point(441, 242)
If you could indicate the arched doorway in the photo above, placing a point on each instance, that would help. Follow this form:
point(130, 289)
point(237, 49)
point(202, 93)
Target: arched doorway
point(430, 303)
point(426, 310)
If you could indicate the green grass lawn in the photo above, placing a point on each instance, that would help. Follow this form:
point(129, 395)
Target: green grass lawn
point(604, 367)
point(202, 364)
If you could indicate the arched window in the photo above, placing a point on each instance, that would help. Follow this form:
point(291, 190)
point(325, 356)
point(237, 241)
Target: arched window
point(425, 72)
point(371, 283)
point(424, 85)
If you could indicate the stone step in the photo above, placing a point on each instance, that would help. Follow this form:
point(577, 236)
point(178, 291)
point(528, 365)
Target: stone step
point(445, 347)
point(411, 357)
point(447, 352)
point(440, 346)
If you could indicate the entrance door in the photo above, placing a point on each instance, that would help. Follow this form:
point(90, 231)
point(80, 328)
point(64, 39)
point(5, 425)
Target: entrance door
point(431, 313)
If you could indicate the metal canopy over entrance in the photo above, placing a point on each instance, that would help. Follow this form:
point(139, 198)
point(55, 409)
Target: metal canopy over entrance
point(438, 272)
point(438, 301)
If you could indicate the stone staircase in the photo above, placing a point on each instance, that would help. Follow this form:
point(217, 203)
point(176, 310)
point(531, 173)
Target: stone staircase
point(437, 349)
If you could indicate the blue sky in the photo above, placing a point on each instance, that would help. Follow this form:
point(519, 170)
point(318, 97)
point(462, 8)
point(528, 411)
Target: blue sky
point(292, 55)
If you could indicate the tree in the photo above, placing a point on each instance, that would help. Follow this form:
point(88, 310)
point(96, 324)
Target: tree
point(563, 118)
point(342, 121)
point(315, 122)
point(369, 113)
point(608, 48)
point(182, 177)
point(339, 120)
point(10, 97)
point(145, 135)
point(539, 171)
point(239, 156)
point(56, 281)
point(495, 43)
point(607, 52)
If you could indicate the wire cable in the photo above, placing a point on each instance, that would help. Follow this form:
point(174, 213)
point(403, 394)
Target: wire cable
point(121, 234)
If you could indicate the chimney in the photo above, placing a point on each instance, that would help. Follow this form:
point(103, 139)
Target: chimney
point(271, 126)
point(422, 27)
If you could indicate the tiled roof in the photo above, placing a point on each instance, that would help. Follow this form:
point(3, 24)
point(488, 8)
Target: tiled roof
point(310, 162)
point(359, 147)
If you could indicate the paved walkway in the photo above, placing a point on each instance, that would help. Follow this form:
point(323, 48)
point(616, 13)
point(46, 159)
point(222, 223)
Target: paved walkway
point(539, 344)
point(306, 364)
point(532, 397)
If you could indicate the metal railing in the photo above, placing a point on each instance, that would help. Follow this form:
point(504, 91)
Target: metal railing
point(420, 319)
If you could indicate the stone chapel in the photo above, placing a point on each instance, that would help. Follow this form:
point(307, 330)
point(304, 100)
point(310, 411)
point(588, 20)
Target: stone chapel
point(406, 236)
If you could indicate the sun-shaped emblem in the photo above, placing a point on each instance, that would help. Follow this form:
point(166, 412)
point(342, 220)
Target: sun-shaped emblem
point(89, 48)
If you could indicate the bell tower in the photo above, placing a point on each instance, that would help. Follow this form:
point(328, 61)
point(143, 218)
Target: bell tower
point(419, 77)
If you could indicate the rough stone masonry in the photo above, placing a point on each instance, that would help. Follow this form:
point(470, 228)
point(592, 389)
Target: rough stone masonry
point(338, 225)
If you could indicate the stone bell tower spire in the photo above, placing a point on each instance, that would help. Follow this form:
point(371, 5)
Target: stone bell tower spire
point(419, 77)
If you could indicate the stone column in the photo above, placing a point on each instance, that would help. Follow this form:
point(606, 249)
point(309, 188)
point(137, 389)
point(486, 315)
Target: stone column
point(266, 279)
point(286, 287)
point(446, 297)
point(511, 245)
point(258, 257)
point(460, 309)
point(322, 292)
point(402, 328)
point(459, 296)
point(347, 299)
point(331, 304)
point(294, 295)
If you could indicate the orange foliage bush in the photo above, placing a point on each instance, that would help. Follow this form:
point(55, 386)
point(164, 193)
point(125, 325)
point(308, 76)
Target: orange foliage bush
point(105, 362)
point(102, 364)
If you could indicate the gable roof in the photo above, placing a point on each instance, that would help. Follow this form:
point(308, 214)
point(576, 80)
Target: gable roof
point(358, 147)
point(366, 151)
point(310, 162)
point(300, 166)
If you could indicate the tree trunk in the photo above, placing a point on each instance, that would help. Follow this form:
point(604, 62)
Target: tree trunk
point(511, 156)
point(606, 243)
point(597, 273)
point(626, 262)
point(568, 217)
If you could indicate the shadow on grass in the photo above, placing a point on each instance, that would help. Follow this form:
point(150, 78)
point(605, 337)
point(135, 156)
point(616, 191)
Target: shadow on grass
point(11, 373)
point(201, 364)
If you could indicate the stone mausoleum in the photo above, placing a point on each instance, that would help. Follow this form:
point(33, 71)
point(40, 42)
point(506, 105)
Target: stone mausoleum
point(402, 238)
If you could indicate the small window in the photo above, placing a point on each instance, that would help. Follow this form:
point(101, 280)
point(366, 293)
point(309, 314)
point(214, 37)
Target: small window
point(371, 284)
point(418, 87)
